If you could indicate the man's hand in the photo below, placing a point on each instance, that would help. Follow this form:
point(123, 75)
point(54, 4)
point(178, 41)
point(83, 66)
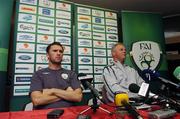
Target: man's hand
point(69, 94)
point(69, 89)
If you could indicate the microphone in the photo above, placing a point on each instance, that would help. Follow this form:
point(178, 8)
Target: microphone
point(94, 91)
point(154, 74)
point(176, 72)
point(86, 82)
point(156, 94)
point(122, 99)
point(136, 89)
point(149, 74)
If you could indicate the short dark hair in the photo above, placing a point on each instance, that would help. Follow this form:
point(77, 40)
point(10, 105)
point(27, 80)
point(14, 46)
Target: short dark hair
point(54, 43)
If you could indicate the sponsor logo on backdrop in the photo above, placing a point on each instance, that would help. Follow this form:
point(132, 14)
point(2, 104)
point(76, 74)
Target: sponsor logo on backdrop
point(32, 2)
point(111, 15)
point(85, 42)
point(67, 50)
point(64, 40)
point(63, 31)
point(98, 78)
point(63, 14)
point(146, 54)
point(98, 28)
point(85, 69)
point(111, 22)
point(85, 60)
point(100, 61)
point(66, 59)
point(84, 18)
point(85, 51)
point(63, 6)
point(63, 23)
point(45, 21)
point(46, 3)
point(25, 47)
point(46, 12)
point(99, 36)
point(22, 79)
point(41, 48)
point(109, 53)
point(112, 37)
point(27, 18)
point(41, 58)
point(26, 37)
point(98, 20)
point(27, 9)
point(24, 57)
point(99, 44)
point(82, 10)
point(110, 44)
point(45, 39)
point(97, 13)
point(84, 26)
point(26, 27)
point(24, 68)
point(84, 34)
point(98, 69)
point(40, 66)
point(99, 52)
point(45, 30)
point(21, 90)
point(110, 29)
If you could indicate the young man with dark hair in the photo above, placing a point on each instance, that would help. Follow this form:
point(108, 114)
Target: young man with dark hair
point(55, 87)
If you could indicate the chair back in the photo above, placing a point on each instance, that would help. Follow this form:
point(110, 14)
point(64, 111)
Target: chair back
point(28, 107)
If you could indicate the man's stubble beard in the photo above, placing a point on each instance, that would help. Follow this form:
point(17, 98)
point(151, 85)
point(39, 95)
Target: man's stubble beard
point(56, 63)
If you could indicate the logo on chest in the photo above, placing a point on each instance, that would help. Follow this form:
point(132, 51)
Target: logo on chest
point(64, 76)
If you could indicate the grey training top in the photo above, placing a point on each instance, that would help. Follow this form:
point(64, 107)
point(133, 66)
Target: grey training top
point(117, 79)
point(48, 78)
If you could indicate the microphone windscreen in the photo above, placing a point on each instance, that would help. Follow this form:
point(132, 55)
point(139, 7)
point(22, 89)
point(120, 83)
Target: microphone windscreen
point(176, 73)
point(134, 88)
point(148, 74)
point(84, 78)
point(120, 99)
point(81, 74)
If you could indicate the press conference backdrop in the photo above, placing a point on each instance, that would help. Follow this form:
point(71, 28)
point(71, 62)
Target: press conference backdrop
point(96, 32)
point(142, 27)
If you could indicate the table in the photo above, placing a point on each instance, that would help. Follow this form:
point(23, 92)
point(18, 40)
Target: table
point(71, 113)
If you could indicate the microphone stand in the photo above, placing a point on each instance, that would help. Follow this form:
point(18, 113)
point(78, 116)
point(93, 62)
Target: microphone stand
point(95, 106)
point(169, 101)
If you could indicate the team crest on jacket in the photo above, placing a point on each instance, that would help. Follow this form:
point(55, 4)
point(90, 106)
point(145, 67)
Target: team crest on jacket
point(64, 76)
point(146, 54)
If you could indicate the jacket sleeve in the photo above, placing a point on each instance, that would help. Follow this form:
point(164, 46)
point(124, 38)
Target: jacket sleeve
point(113, 81)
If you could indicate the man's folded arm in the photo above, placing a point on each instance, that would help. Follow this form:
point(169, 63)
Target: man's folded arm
point(40, 98)
point(69, 94)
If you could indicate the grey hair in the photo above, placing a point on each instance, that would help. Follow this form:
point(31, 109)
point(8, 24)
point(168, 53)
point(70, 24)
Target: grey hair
point(115, 45)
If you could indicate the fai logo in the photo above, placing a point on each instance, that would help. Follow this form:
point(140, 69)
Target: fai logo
point(146, 54)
